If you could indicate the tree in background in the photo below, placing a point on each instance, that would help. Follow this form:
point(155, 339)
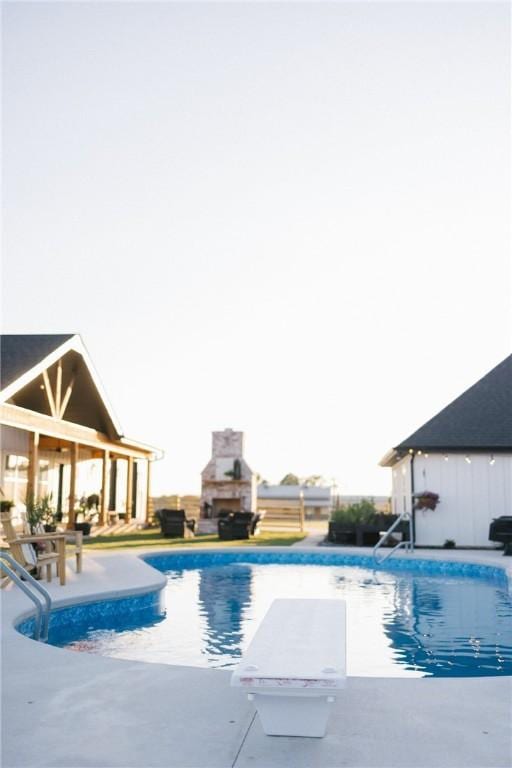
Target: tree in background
point(309, 481)
point(314, 481)
point(290, 479)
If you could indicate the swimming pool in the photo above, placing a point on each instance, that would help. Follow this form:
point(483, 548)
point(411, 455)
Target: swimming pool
point(414, 618)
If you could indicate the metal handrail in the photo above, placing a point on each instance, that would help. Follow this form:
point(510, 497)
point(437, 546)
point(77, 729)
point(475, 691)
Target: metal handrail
point(408, 545)
point(405, 544)
point(42, 610)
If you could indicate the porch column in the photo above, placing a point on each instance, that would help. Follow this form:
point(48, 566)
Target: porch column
point(33, 466)
point(129, 490)
point(149, 500)
point(105, 490)
point(72, 485)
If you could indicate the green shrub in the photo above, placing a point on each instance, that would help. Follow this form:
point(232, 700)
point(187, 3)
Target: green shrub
point(361, 513)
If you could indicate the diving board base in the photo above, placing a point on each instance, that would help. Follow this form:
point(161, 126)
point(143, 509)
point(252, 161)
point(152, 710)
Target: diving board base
point(282, 715)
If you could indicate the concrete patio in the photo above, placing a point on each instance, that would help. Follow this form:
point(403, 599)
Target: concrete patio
point(75, 710)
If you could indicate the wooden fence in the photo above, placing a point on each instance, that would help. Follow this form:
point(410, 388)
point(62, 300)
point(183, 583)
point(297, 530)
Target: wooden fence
point(282, 518)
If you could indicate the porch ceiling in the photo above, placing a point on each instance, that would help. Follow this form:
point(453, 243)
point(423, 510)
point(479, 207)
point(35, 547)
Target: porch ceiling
point(85, 406)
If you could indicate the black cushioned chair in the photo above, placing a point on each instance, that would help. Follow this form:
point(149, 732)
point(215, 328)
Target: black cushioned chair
point(238, 525)
point(174, 522)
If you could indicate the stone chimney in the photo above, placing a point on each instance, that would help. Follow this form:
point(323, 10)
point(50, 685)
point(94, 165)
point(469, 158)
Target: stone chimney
point(227, 482)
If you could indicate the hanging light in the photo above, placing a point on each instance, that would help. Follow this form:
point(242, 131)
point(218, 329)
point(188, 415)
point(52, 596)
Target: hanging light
point(426, 455)
point(492, 460)
point(445, 457)
point(468, 459)
point(419, 453)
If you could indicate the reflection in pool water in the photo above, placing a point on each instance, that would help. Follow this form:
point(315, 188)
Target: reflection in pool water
point(399, 623)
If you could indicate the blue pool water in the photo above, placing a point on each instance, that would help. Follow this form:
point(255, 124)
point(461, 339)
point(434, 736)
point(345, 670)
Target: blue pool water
point(413, 618)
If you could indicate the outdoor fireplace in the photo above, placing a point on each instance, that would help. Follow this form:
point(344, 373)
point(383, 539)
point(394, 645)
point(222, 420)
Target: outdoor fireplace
point(227, 482)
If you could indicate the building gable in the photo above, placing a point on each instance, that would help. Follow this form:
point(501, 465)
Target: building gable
point(479, 419)
point(20, 353)
point(54, 376)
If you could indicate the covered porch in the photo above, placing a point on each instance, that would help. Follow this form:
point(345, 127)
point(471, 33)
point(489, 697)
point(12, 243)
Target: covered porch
point(60, 436)
point(41, 456)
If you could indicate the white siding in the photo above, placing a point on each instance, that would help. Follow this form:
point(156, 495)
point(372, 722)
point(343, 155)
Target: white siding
point(13, 483)
point(14, 440)
point(121, 485)
point(401, 495)
point(472, 494)
point(142, 480)
point(88, 474)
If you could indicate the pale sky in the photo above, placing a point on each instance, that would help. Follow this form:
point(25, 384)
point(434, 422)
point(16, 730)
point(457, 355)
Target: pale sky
point(290, 219)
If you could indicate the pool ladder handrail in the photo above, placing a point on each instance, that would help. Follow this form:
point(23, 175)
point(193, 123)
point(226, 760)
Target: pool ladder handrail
point(20, 576)
point(408, 545)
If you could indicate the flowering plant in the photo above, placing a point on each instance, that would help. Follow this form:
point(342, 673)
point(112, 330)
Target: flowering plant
point(426, 500)
point(88, 507)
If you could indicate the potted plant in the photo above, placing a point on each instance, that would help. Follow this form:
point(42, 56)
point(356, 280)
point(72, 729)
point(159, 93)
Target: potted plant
point(48, 513)
point(236, 472)
point(426, 500)
point(5, 506)
point(88, 510)
point(358, 524)
point(34, 513)
point(342, 529)
point(5, 509)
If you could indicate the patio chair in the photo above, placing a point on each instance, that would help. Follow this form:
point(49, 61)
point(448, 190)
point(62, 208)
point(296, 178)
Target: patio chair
point(174, 523)
point(239, 525)
point(25, 548)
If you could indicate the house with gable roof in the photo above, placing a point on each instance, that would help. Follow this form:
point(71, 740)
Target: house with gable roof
point(463, 454)
point(59, 433)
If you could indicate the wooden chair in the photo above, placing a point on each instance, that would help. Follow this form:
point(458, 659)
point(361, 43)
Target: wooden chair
point(72, 537)
point(78, 541)
point(24, 552)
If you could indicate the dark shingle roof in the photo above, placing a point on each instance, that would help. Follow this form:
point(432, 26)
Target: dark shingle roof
point(480, 418)
point(21, 352)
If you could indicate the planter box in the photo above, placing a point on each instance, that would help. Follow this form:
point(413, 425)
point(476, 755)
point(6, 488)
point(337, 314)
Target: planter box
point(341, 533)
point(367, 535)
point(84, 527)
point(362, 535)
point(354, 535)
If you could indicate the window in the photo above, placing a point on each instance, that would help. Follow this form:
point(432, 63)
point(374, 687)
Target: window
point(15, 477)
point(16, 466)
point(44, 466)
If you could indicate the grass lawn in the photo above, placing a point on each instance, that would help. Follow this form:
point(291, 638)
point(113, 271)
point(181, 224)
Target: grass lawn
point(153, 538)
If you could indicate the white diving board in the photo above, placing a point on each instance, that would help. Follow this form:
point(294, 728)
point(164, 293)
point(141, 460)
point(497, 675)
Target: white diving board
point(295, 665)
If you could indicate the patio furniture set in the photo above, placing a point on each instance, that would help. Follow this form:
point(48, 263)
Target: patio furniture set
point(230, 525)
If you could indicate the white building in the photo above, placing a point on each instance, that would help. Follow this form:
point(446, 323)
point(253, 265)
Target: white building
point(59, 434)
point(464, 454)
